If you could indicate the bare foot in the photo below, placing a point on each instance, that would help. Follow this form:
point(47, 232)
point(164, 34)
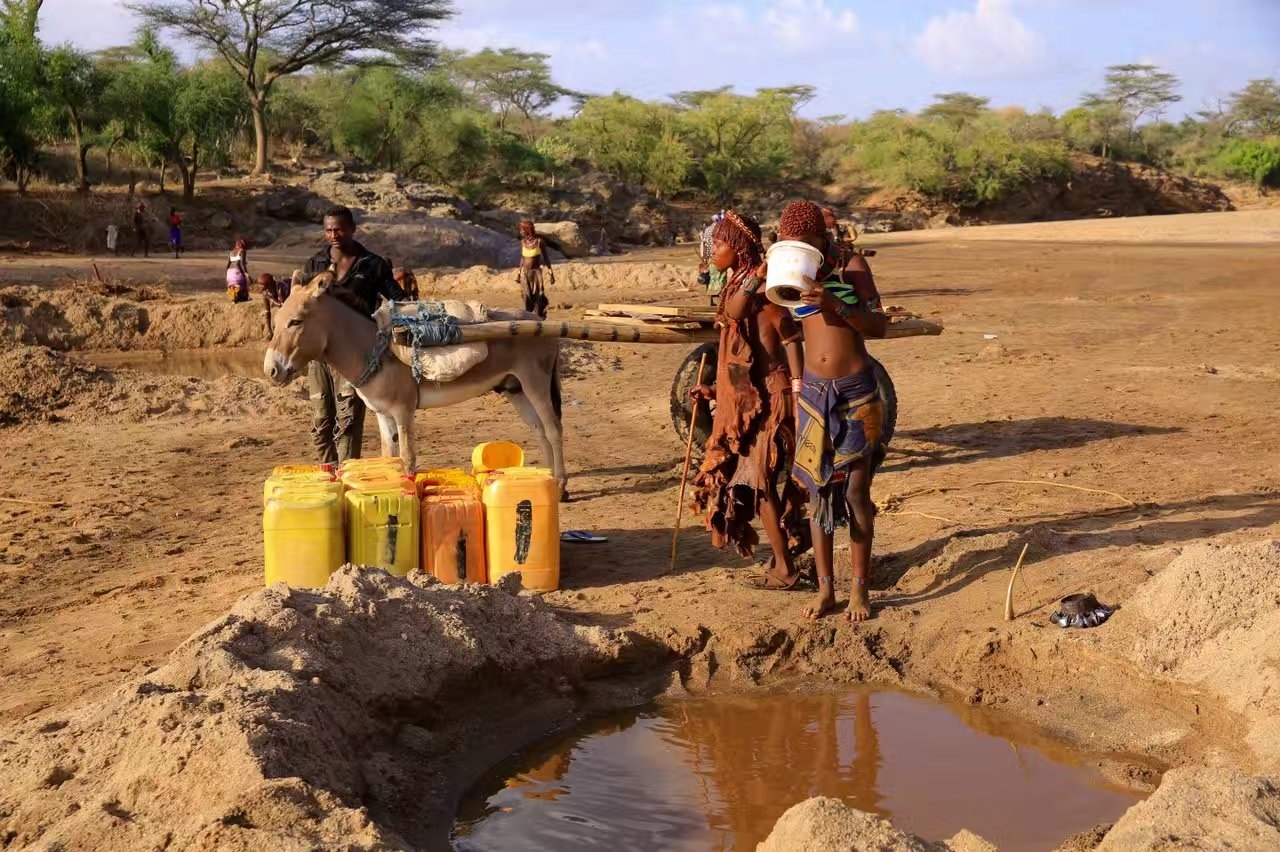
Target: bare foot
point(859, 604)
point(823, 604)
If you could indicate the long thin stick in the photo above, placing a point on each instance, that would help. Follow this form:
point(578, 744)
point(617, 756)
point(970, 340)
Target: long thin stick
point(945, 488)
point(19, 500)
point(688, 457)
point(1008, 596)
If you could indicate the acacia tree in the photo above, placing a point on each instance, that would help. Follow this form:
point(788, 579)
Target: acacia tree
point(265, 40)
point(1132, 92)
point(1256, 108)
point(74, 83)
point(510, 79)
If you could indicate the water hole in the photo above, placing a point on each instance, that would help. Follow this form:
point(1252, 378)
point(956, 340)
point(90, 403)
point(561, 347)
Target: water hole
point(717, 773)
point(200, 363)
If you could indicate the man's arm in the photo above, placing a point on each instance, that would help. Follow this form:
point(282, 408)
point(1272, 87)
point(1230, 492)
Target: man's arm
point(388, 287)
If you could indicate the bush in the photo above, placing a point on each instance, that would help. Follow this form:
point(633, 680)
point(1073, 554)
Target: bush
point(1254, 160)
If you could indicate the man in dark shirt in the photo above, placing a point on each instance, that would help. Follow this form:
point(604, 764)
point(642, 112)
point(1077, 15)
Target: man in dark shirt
point(362, 280)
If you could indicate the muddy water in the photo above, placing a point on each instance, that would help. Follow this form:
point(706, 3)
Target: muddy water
point(717, 773)
point(201, 363)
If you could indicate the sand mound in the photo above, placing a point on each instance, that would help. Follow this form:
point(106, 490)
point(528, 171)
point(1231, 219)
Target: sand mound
point(35, 383)
point(78, 319)
point(829, 825)
point(38, 384)
point(1201, 808)
point(1223, 600)
point(644, 278)
point(300, 720)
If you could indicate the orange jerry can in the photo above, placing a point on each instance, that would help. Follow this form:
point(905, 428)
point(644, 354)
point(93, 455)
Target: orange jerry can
point(453, 546)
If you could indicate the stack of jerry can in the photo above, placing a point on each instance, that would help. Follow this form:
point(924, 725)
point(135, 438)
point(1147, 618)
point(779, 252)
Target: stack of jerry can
point(302, 526)
point(382, 512)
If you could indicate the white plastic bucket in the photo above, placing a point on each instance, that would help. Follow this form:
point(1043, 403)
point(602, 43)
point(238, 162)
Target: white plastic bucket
point(790, 262)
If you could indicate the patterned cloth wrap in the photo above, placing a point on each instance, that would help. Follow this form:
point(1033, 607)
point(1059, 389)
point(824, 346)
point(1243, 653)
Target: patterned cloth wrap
point(841, 421)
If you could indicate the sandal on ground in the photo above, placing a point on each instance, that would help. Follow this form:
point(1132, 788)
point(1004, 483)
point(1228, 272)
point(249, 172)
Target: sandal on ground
point(769, 583)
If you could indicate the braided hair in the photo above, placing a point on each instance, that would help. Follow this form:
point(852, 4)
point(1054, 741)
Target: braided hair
point(526, 229)
point(802, 219)
point(742, 234)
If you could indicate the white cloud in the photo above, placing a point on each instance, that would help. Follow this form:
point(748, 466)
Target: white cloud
point(990, 40)
point(800, 24)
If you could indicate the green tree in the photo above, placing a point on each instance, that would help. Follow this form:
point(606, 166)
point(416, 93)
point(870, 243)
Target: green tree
point(1131, 93)
point(956, 109)
point(557, 153)
point(735, 138)
point(1255, 109)
point(380, 109)
point(175, 115)
point(508, 80)
point(76, 84)
point(263, 41)
point(21, 98)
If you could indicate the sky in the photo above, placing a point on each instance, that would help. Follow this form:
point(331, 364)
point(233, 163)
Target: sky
point(862, 55)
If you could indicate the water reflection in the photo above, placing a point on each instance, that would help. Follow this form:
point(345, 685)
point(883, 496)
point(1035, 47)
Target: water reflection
point(717, 773)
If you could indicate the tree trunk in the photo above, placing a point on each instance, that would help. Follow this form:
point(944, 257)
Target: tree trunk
point(189, 174)
point(258, 106)
point(82, 151)
point(164, 170)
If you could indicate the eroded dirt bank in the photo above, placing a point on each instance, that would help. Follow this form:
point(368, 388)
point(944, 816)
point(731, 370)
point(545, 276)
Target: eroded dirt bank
point(1138, 370)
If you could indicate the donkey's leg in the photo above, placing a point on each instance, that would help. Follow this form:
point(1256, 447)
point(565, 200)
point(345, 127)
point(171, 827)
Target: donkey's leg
point(529, 415)
point(408, 449)
point(539, 396)
point(390, 437)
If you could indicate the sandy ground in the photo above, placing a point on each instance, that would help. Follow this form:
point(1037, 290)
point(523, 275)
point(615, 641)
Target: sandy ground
point(1110, 355)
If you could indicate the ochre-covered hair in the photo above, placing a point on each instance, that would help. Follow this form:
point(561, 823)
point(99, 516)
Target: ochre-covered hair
point(801, 219)
point(526, 228)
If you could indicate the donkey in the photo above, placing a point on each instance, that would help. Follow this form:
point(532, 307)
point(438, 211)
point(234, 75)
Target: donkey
point(315, 324)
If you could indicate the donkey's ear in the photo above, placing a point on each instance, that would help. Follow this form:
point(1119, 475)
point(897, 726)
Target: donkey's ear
point(298, 280)
point(322, 282)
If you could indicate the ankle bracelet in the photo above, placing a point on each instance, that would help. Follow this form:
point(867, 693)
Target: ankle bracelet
point(824, 581)
point(861, 581)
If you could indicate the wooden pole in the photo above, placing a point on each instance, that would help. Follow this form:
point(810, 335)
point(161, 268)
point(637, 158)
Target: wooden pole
point(688, 457)
point(605, 332)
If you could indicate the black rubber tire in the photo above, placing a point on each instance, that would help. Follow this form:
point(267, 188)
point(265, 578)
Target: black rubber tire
point(890, 396)
point(682, 405)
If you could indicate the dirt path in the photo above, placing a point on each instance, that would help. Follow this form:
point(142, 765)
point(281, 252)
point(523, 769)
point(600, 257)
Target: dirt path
point(1146, 370)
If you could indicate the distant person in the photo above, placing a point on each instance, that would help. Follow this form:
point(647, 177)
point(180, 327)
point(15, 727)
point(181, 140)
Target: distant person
point(140, 237)
point(274, 293)
point(408, 282)
point(175, 232)
point(238, 272)
point(535, 266)
point(711, 278)
point(362, 280)
point(113, 239)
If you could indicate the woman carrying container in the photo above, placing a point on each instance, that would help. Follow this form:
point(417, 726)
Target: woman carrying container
point(534, 262)
point(745, 469)
point(238, 273)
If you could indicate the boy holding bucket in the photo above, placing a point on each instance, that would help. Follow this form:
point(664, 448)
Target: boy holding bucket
point(840, 415)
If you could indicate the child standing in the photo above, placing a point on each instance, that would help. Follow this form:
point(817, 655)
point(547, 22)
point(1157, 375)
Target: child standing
point(841, 415)
point(175, 232)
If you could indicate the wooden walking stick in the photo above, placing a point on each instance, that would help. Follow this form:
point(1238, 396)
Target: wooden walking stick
point(688, 456)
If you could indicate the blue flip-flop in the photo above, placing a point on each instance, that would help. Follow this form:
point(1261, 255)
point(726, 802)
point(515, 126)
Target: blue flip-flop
point(581, 537)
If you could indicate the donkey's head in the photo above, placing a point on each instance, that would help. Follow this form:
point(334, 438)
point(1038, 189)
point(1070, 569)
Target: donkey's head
point(299, 337)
